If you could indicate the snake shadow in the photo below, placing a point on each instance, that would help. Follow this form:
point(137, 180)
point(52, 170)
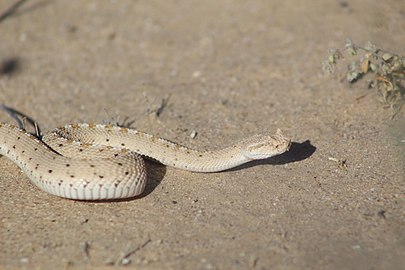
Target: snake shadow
point(156, 173)
point(297, 152)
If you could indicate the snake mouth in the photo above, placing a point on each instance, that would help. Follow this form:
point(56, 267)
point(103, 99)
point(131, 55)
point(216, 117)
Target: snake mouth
point(287, 148)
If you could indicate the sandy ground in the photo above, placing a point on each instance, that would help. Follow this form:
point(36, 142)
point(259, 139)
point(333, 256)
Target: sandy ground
point(227, 69)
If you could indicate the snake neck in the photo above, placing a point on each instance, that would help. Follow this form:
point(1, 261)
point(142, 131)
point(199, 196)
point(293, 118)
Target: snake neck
point(208, 161)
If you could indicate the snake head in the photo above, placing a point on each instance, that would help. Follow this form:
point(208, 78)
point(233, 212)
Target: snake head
point(264, 146)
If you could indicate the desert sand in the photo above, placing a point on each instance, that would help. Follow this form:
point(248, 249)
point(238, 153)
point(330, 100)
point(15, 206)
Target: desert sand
point(221, 70)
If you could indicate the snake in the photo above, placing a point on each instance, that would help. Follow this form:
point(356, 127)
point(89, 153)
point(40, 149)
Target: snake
point(105, 162)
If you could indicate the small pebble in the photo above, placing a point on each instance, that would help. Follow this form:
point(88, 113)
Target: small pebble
point(196, 74)
point(193, 134)
point(125, 261)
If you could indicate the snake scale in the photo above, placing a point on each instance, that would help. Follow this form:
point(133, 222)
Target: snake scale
point(101, 162)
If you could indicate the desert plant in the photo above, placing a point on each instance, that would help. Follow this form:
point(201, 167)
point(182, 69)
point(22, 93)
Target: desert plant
point(387, 70)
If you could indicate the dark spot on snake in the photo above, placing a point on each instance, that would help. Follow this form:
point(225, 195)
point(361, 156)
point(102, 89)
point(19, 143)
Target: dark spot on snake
point(107, 140)
point(50, 171)
point(67, 165)
point(18, 137)
point(101, 177)
point(23, 151)
point(13, 146)
point(72, 176)
point(30, 158)
point(115, 155)
point(126, 173)
point(119, 163)
point(80, 150)
point(116, 184)
point(91, 165)
point(60, 145)
point(35, 149)
point(123, 144)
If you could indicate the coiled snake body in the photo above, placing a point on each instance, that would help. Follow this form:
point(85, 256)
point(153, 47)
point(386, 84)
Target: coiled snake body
point(96, 162)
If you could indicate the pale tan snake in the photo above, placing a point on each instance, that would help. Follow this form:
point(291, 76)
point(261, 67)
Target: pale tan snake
point(98, 162)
